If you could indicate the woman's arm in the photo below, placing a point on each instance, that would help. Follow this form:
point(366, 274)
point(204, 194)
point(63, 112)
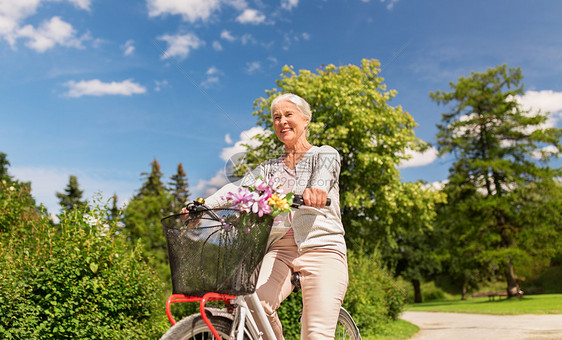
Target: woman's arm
point(325, 174)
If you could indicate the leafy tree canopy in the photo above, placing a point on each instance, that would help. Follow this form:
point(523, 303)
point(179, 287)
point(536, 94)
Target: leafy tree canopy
point(502, 154)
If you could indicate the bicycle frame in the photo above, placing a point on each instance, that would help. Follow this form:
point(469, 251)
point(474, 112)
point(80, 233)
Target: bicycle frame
point(249, 314)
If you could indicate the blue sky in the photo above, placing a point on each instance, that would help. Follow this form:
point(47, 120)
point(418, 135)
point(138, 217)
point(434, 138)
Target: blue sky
point(99, 89)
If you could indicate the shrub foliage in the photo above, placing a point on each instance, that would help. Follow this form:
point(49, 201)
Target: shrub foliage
point(78, 279)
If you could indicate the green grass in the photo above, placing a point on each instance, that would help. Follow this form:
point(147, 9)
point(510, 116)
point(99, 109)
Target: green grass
point(397, 330)
point(529, 304)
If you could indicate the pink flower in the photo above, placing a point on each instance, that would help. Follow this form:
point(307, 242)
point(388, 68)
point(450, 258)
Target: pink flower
point(242, 200)
point(261, 205)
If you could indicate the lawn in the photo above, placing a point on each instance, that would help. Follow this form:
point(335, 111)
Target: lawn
point(397, 330)
point(528, 304)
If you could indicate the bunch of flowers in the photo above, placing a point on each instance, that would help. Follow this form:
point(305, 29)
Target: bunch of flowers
point(261, 199)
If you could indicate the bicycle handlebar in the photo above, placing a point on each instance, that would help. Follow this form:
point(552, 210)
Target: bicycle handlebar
point(199, 203)
point(299, 201)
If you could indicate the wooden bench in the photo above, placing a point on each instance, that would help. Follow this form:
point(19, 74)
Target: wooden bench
point(492, 296)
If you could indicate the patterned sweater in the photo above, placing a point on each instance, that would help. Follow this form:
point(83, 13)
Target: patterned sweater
point(319, 168)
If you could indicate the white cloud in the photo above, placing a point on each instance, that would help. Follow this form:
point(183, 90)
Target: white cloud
point(251, 16)
point(291, 36)
point(419, 159)
point(226, 35)
point(50, 33)
point(190, 10)
point(248, 38)
point(128, 47)
point(211, 77)
point(289, 4)
point(390, 3)
point(227, 139)
point(160, 84)
point(545, 153)
point(46, 182)
point(212, 70)
point(546, 101)
point(180, 45)
point(435, 186)
point(229, 154)
point(253, 66)
point(95, 87)
point(217, 46)
point(206, 188)
point(238, 4)
point(210, 82)
point(81, 4)
point(245, 138)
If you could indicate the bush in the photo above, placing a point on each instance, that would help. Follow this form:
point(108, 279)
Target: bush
point(16, 205)
point(546, 282)
point(374, 298)
point(77, 280)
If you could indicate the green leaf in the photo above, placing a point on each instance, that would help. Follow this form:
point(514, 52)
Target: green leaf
point(94, 267)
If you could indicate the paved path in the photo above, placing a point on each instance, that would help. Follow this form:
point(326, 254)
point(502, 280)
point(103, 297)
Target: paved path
point(436, 326)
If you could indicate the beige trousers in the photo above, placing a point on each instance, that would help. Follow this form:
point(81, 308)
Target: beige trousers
point(324, 282)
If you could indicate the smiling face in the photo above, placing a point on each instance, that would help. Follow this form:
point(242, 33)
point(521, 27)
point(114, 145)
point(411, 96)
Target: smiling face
point(289, 123)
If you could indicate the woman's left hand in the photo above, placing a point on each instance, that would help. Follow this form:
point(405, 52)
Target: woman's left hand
point(314, 197)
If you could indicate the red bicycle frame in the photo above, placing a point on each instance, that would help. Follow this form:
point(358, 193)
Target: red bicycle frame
point(175, 298)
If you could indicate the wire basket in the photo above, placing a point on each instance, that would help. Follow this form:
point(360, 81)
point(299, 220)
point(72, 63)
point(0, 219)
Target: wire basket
point(216, 250)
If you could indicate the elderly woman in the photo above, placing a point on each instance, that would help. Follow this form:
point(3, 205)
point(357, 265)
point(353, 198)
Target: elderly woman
point(310, 242)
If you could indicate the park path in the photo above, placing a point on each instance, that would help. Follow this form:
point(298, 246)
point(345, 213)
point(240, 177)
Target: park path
point(457, 326)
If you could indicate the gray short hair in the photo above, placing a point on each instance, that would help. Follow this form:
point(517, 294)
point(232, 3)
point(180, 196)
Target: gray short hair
point(301, 104)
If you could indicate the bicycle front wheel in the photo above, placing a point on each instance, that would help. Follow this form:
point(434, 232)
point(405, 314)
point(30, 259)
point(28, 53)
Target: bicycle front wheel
point(346, 327)
point(193, 327)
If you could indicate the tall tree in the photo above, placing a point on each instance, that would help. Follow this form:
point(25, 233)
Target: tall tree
point(142, 219)
point(71, 198)
point(495, 143)
point(179, 187)
point(351, 112)
point(114, 213)
point(4, 164)
point(152, 184)
point(17, 205)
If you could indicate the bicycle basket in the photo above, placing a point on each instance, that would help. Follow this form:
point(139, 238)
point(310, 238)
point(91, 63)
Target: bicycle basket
point(216, 250)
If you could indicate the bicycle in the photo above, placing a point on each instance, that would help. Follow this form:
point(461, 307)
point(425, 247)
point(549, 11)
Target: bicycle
point(222, 264)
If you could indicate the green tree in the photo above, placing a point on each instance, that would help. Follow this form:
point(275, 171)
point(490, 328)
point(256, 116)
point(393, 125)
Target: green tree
point(495, 143)
point(16, 202)
point(351, 112)
point(4, 164)
point(416, 258)
point(72, 196)
point(114, 213)
point(461, 223)
point(152, 184)
point(142, 219)
point(179, 187)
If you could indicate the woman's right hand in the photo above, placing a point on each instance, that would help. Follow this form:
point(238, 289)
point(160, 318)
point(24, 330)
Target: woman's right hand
point(184, 214)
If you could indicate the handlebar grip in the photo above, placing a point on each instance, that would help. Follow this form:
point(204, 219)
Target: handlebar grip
point(298, 201)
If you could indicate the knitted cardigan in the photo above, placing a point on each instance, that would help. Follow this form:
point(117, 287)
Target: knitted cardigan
point(319, 168)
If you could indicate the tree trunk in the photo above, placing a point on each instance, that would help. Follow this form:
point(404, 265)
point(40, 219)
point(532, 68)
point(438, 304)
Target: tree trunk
point(464, 291)
point(417, 291)
point(512, 286)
